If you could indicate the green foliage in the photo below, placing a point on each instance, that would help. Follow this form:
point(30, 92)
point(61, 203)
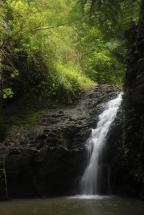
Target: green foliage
point(103, 37)
point(60, 48)
point(7, 93)
point(101, 59)
point(37, 39)
point(70, 79)
point(112, 17)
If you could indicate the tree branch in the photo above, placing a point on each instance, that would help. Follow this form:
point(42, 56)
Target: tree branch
point(48, 27)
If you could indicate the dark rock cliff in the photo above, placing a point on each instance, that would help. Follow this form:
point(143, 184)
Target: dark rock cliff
point(133, 112)
point(49, 159)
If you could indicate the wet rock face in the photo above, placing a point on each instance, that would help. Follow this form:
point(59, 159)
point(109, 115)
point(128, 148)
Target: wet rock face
point(45, 173)
point(50, 160)
point(125, 144)
point(113, 157)
point(3, 185)
point(134, 111)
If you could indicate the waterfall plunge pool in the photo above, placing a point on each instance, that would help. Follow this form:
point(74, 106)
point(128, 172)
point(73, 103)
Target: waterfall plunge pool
point(100, 205)
point(87, 203)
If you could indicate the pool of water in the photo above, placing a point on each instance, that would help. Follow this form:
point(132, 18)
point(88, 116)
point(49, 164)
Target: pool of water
point(78, 205)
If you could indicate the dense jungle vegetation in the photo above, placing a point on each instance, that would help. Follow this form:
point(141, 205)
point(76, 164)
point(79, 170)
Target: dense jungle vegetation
point(60, 48)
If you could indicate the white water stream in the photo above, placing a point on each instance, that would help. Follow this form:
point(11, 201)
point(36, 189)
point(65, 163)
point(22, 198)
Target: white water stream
point(89, 182)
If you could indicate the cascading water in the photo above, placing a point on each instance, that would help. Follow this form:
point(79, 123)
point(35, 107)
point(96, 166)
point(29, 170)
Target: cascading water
point(89, 182)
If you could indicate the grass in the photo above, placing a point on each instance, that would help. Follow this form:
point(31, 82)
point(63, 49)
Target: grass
point(72, 78)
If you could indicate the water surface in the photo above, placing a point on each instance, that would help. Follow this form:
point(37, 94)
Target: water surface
point(73, 206)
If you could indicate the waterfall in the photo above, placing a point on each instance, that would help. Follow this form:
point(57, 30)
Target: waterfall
point(95, 144)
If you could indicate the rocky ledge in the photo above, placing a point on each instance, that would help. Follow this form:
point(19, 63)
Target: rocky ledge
point(48, 159)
